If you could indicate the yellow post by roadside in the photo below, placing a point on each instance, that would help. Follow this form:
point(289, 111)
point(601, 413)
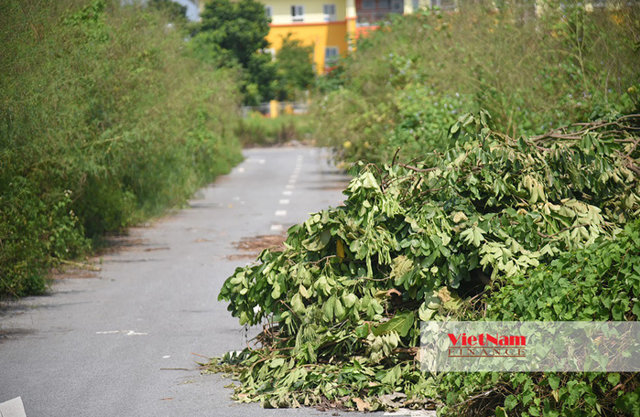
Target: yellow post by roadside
point(273, 108)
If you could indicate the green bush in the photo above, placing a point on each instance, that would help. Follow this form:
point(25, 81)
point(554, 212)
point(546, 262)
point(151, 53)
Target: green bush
point(602, 282)
point(257, 130)
point(105, 119)
point(531, 74)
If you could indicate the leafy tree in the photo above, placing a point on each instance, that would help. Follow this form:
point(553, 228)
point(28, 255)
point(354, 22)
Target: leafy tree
point(232, 34)
point(295, 67)
point(176, 12)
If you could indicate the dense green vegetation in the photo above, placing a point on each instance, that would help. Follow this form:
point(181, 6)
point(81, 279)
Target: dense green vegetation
point(257, 130)
point(602, 282)
point(105, 119)
point(419, 242)
point(505, 185)
point(411, 80)
point(295, 69)
point(232, 34)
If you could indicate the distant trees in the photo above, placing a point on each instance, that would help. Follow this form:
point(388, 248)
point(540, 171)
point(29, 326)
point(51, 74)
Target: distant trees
point(295, 68)
point(233, 34)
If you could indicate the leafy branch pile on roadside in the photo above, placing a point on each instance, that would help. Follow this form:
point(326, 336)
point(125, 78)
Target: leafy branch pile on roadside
point(415, 242)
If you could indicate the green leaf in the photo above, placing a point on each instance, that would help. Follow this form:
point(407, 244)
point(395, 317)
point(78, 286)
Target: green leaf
point(276, 363)
point(613, 378)
point(425, 313)
point(362, 331)
point(510, 402)
point(275, 292)
point(318, 242)
point(349, 300)
point(297, 305)
point(369, 181)
point(554, 381)
point(400, 324)
point(328, 308)
point(338, 309)
point(303, 291)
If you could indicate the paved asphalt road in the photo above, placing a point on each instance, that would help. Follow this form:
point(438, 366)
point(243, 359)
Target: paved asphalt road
point(122, 343)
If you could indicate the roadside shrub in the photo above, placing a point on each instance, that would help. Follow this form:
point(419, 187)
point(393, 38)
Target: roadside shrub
point(294, 69)
point(602, 282)
point(531, 74)
point(105, 119)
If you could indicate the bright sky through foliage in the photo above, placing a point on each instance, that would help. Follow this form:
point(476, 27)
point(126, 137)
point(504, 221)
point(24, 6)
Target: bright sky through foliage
point(192, 8)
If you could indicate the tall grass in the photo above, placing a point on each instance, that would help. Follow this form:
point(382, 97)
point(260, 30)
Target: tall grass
point(408, 81)
point(105, 120)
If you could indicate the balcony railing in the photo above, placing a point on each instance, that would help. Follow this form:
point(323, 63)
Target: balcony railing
point(372, 17)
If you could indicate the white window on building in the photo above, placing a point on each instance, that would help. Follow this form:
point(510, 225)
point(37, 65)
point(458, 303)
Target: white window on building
point(297, 13)
point(268, 10)
point(329, 11)
point(331, 55)
point(368, 4)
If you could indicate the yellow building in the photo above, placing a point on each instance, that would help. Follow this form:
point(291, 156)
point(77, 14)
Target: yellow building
point(330, 26)
point(327, 25)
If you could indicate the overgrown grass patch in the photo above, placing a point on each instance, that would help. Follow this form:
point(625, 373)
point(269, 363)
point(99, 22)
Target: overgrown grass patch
point(257, 130)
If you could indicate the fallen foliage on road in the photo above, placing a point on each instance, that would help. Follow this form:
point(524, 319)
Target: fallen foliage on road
point(462, 234)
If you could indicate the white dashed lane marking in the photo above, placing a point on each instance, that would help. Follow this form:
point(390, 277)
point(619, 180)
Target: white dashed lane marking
point(124, 332)
point(276, 227)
